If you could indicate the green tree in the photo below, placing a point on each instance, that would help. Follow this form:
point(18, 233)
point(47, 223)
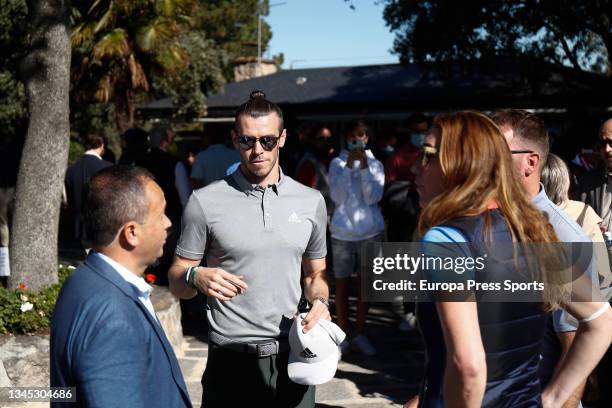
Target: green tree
point(13, 43)
point(577, 33)
point(202, 75)
point(119, 45)
point(46, 71)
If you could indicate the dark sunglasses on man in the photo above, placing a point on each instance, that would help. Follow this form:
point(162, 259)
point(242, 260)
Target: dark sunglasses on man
point(604, 142)
point(267, 142)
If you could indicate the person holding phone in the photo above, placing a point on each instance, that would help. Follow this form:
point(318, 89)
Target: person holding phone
point(356, 181)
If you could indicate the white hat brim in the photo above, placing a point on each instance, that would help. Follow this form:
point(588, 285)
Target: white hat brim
point(312, 373)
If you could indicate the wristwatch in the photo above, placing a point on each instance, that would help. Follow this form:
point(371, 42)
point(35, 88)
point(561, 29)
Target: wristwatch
point(322, 300)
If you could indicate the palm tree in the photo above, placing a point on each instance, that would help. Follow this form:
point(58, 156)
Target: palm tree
point(119, 44)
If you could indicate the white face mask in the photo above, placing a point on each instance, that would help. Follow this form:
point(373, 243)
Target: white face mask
point(356, 144)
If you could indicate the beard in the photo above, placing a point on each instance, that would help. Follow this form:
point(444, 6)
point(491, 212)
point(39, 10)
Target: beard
point(261, 171)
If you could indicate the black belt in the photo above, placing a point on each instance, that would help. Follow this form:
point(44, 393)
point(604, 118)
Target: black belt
point(264, 348)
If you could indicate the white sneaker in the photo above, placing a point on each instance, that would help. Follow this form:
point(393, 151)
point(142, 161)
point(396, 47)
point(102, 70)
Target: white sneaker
point(363, 345)
point(408, 323)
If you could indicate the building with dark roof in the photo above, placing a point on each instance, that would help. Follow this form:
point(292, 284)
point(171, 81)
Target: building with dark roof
point(385, 95)
point(397, 88)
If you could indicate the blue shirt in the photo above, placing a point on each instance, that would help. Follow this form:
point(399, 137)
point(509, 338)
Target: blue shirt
point(567, 230)
point(212, 163)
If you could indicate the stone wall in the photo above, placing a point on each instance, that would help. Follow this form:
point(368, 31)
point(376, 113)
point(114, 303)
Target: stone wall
point(168, 310)
point(25, 360)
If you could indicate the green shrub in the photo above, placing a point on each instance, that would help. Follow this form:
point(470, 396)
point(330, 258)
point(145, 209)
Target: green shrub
point(24, 312)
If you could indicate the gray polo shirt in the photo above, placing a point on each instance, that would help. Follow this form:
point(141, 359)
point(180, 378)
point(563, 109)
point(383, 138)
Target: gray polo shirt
point(262, 234)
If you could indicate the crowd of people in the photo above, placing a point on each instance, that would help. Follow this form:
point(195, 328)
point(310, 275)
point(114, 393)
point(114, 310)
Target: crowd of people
point(255, 241)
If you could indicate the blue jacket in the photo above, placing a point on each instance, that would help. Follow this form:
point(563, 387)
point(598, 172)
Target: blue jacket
point(105, 343)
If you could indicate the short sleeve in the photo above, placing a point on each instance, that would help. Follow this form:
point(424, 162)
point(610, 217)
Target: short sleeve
point(443, 234)
point(446, 243)
point(192, 242)
point(197, 171)
point(563, 322)
point(317, 245)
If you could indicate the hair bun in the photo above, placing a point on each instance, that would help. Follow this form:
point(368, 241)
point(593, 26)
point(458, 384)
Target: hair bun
point(258, 95)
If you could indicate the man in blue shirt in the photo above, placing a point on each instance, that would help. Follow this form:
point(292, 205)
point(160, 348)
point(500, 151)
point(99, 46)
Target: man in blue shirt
point(529, 143)
point(213, 163)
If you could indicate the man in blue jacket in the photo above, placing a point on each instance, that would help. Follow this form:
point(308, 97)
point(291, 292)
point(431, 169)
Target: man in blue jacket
point(106, 340)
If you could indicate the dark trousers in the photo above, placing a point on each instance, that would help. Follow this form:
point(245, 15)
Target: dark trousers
point(233, 379)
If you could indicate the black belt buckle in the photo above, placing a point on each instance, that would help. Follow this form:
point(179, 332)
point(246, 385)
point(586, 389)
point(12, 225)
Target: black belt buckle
point(267, 349)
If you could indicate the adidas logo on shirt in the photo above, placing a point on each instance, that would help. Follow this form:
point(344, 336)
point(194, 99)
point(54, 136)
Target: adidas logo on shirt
point(294, 218)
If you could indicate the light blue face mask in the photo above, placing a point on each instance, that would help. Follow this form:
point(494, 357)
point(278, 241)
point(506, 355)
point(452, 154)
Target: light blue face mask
point(356, 144)
point(417, 139)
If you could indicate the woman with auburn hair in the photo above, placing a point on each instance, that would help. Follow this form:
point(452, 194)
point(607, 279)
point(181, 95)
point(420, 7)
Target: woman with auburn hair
point(487, 354)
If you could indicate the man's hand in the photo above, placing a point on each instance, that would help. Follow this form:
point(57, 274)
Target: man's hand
point(317, 311)
point(357, 154)
point(315, 286)
point(217, 283)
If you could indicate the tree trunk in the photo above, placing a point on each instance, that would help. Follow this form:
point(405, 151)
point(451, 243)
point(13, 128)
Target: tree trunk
point(124, 110)
point(46, 69)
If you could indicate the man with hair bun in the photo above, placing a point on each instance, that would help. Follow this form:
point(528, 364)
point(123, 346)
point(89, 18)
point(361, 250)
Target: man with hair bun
point(257, 228)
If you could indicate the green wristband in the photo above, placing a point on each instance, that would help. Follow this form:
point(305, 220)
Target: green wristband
point(187, 277)
point(194, 272)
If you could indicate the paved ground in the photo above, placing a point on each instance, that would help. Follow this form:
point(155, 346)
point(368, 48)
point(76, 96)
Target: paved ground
point(385, 380)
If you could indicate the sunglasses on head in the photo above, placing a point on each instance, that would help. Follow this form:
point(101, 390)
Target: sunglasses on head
point(267, 142)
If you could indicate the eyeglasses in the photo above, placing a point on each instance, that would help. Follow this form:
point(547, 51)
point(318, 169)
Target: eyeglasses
point(427, 154)
point(521, 151)
point(605, 142)
point(267, 142)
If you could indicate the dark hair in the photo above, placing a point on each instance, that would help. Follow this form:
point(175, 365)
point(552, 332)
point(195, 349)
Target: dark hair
point(256, 107)
point(157, 135)
point(114, 196)
point(314, 131)
point(526, 126)
point(358, 126)
point(93, 141)
point(136, 139)
point(418, 117)
point(217, 132)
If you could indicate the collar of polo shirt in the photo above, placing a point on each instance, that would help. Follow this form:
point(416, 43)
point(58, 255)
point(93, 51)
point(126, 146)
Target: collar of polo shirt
point(249, 188)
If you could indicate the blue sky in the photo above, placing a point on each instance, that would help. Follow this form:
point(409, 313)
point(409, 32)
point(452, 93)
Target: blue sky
point(326, 33)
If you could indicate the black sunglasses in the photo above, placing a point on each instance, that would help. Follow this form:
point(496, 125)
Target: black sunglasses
point(267, 142)
point(604, 142)
point(521, 151)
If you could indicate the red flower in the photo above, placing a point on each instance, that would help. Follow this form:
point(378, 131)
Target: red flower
point(21, 285)
point(149, 277)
